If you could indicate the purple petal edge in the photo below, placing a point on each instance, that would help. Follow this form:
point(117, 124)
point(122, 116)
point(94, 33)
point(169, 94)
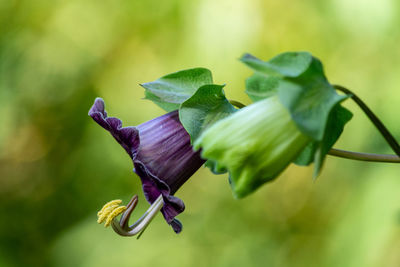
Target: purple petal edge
point(152, 188)
point(127, 137)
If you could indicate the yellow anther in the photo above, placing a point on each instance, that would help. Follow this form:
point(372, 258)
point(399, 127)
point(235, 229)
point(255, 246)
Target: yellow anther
point(101, 218)
point(107, 209)
point(115, 202)
point(114, 214)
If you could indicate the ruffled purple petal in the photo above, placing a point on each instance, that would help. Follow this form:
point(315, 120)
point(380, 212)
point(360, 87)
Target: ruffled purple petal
point(127, 137)
point(152, 188)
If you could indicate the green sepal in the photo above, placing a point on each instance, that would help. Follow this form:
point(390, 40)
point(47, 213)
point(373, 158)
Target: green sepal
point(162, 104)
point(306, 157)
point(289, 64)
point(302, 87)
point(207, 106)
point(336, 122)
point(171, 90)
point(316, 151)
point(259, 86)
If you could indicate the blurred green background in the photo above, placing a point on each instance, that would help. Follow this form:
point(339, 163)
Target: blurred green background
point(57, 167)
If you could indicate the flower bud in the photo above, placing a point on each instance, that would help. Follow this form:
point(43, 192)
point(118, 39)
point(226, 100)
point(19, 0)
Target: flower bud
point(255, 144)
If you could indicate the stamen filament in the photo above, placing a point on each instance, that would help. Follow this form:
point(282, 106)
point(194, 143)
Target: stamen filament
point(141, 224)
point(130, 207)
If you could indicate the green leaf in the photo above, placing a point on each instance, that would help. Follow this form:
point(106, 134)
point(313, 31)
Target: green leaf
point(299, 80)
point(336, 122)
point(259, 86)
point(207, 106)
point(171, 90)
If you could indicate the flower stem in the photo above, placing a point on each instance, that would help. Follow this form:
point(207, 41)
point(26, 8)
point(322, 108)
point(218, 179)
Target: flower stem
point(378, 124)
point(364, 156)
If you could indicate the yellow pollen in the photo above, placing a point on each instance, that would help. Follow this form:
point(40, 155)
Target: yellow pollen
point(114, 214)
point(109, 211)
point(115, 202)
point(105, 213)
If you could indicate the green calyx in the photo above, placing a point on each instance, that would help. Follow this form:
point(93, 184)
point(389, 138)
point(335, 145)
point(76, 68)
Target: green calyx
point(299, 81)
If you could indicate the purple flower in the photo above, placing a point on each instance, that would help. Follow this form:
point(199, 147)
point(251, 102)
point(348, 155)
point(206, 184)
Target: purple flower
point(161, 153)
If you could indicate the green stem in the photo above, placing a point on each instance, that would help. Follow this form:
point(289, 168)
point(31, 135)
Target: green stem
point(378, 124)
point(364, 156)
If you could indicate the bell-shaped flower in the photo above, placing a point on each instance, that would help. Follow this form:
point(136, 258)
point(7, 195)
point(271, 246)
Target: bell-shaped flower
point(254, 144)
point(162, 156)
